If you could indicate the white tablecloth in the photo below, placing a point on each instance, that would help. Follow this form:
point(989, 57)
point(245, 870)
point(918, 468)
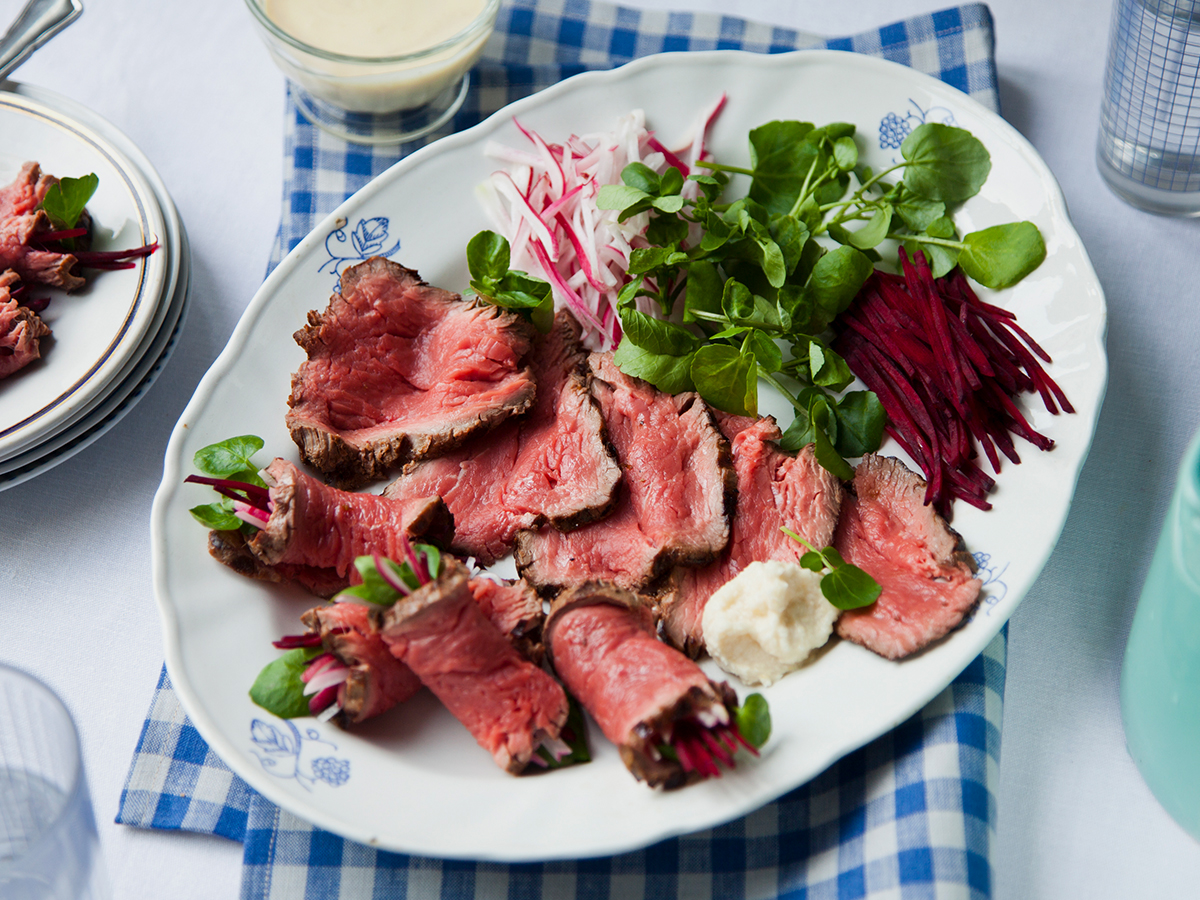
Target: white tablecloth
point(193, 87)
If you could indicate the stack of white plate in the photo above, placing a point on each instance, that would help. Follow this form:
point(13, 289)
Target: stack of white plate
point(111, 338)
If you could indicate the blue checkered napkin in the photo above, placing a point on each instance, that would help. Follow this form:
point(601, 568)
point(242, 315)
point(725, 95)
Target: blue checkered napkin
point(909, 815)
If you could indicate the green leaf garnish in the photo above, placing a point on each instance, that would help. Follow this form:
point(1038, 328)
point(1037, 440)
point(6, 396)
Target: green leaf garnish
point(217, 516)
point(672, 374)
point(375, 588)
point(944, 163)
point(753, 719)
point(726, 378)
point(488, 256)
point(844, 585)
point(231, 458)
point(1003, 254)
point(278, 688)
point(64, 202)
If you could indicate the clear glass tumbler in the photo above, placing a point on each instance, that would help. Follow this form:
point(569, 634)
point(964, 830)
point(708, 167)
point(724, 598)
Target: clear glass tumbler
point(1160, 680)
point(49, 849)
point(1149, 145)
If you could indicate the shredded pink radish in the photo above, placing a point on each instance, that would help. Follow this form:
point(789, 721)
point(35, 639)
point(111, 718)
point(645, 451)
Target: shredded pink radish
point(544, 203)
point(328, 677)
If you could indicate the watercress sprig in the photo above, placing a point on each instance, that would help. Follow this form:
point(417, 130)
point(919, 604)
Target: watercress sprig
point(232, 460)
point(753, 719)
point(488, 258)
point(380, 587)
point(64, 203)
point(756, 282)
point(279, 688)
point(843, 584)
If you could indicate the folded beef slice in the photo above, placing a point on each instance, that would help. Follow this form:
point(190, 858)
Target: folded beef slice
point(315, 532)
point(552, 466)
point(921, 563)
point(773, 489)
point(510, 706)
point(399, 370)
point(21, 221)
point(675, 498)
point(21, 332)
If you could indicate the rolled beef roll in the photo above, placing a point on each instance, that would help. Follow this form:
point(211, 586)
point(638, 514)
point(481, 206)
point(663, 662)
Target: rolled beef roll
point(668, 719)
point(374, 680)
point(311, 533)
point(510, 706)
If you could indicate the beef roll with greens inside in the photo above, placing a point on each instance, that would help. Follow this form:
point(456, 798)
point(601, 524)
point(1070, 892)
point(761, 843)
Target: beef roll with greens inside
point(311, 533)
point(357, 672)
point(669, 720)
point(512, 708)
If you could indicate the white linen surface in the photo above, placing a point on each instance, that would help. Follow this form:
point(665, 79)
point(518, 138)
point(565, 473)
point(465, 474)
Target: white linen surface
point(193, 87)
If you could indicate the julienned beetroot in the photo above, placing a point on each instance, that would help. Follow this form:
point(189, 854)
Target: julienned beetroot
point(947, 368)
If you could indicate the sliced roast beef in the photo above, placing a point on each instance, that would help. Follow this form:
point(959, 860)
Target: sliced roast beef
point(376, 681)
point(21, 332)
point(232, 548)
point(315, 531)
point(511, 707)
point(20, 222)
point(515, 608)
point(674, 503)
point(773, 490)
point(399, 370)
point(553, 466)
point(926, 573)
point(642, 693)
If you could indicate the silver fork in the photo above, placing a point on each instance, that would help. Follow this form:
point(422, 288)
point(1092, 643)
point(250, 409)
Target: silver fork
point(39, 21)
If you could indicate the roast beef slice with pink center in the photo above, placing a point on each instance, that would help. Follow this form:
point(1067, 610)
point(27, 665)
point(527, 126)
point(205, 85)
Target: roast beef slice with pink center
point(774, 489)
point(399, 370)
point(927, 576)
point(21, 332)
point(552, 466)
point(674, 503)
point(315, 531)
point(515, 608)
point(21, 221)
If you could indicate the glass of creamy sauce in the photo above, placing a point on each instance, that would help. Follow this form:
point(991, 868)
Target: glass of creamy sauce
point(376, 71)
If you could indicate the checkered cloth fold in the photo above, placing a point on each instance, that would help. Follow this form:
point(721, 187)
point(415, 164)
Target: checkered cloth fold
point(910, 815)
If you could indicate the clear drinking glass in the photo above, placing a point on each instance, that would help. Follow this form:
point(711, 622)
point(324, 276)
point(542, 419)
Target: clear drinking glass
point(1160, 680)
point(1149, 146)
point(49, 849)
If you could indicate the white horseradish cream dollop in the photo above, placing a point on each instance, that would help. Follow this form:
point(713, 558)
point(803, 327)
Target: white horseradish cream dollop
point(766, 621)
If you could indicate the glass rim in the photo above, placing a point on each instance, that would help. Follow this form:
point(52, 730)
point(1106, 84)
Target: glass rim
point(1189, 472)
point(490, 8)
point(71, 794)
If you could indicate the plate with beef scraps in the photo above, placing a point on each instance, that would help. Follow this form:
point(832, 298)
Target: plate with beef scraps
point(97, 320)
point(414, 780)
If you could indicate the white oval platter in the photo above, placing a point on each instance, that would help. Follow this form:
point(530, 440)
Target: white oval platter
point(414, 780)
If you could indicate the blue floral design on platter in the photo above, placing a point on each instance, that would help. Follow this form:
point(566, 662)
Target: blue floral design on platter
point(290, 754)
point(995, 588)
point(366, 239)
point(895, 127)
